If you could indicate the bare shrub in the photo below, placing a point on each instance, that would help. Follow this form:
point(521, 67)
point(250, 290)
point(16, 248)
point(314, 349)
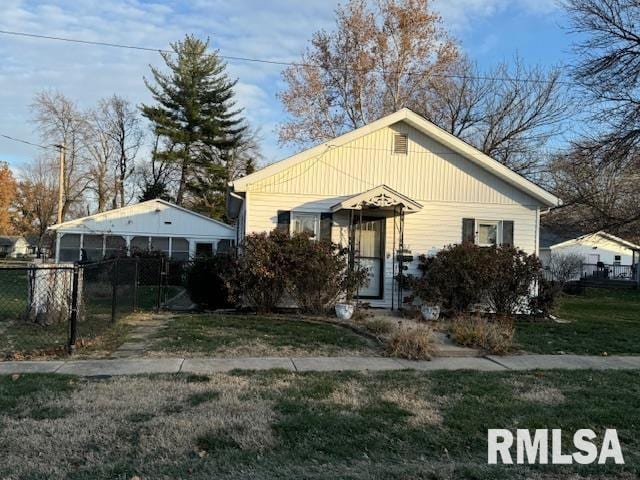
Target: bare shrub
point(565, 266)
point(494, 336)
point(412, 343)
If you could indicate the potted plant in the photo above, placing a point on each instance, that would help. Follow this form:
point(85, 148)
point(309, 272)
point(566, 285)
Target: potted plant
point(430, 311)
point(352, 280)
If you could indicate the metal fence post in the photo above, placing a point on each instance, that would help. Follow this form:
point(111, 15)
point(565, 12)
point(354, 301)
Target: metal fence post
point(136, 268)
point(73, 320)
point(160, 273)
point(114, 294)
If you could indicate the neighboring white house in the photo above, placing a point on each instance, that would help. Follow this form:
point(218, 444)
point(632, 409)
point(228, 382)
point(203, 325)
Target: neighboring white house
point(392, 190)
point(601, 252)
point(154, 225)
point(12, 246)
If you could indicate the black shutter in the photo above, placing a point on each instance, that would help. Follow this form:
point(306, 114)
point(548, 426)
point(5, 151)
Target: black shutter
point(326, 221)
point(284, 219)
point(507, 233)
point(468, 230)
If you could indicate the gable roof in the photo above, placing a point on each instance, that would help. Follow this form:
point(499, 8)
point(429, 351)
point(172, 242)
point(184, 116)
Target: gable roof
point(97, 216)
point(423, 125)
point(603, 234)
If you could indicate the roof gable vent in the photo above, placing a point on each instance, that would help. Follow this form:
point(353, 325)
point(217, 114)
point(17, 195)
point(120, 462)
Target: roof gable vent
point(400, 143)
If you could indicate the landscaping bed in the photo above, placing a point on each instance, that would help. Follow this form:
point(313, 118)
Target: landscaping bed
point(256, 335)
point(316, 425)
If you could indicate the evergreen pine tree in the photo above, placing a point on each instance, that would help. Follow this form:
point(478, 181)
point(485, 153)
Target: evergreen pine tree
point(195, 112)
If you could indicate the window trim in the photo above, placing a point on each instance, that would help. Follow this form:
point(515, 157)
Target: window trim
point(316, 223)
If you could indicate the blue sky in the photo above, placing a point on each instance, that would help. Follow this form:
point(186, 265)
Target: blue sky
point(489, 31)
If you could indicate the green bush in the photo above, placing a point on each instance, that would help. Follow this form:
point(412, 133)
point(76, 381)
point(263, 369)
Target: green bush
point(205, 282)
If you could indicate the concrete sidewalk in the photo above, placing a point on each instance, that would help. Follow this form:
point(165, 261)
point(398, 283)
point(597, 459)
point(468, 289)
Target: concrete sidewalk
point(136, 366)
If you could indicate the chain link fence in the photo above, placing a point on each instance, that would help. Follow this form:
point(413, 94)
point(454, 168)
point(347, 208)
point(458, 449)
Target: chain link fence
point(52, 309)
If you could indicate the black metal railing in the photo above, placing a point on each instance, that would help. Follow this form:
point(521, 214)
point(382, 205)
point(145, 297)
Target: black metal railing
point(602, 271)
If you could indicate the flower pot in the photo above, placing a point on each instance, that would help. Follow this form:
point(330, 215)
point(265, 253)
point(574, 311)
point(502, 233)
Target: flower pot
point(430, 312)
point(344, 311)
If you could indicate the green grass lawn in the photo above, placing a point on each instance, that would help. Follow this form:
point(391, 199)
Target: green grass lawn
point(251, 335)
point(602, 320)
point(393, 425)
point(13, 294)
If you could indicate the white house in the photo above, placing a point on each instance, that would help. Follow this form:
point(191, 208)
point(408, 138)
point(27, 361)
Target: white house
point(601, 253)
point(152, 225)
point(392, 190)
point(13, 246)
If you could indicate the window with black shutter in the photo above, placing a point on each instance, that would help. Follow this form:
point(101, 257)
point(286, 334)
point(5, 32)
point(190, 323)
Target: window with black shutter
point(284, 220)
point(326, 222)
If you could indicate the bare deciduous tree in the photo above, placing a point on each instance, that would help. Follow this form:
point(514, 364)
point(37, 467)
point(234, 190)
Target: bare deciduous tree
point(509, 113)
point(60, 121)
point(609, 66)
point(377, 61)
point(398, 55)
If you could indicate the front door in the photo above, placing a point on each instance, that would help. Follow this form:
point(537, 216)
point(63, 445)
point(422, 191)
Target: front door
point(370, 234)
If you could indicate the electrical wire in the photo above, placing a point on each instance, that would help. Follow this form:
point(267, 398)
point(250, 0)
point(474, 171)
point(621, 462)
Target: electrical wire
point(8, 137)
point(281, 62)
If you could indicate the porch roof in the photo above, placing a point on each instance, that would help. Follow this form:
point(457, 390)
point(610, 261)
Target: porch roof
point(381, 197)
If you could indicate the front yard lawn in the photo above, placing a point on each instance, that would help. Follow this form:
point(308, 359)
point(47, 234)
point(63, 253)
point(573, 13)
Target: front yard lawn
point(251, 335)
point(275, 424)
point(601, 321)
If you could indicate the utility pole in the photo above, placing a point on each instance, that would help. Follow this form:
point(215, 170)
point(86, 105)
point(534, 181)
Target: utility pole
point(61, 148)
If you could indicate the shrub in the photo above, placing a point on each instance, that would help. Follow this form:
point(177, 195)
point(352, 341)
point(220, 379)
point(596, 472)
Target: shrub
point(412, 343)
point(565, 266)
point(314, 274)
point(379, 326)
point(259, 275)
point(460, 276)
point(205, 282)
point(318, 274)
point(495, 335)
point(511, 278)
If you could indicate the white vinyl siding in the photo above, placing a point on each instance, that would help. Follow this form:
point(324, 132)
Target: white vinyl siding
point(438, 224)
point(429, 172)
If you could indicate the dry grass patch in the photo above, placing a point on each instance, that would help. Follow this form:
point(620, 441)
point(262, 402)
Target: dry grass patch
point(349, 394)
point(412, 343)
point(153, 417)
point(543, 395)
point(422, 412)
point(493, 335)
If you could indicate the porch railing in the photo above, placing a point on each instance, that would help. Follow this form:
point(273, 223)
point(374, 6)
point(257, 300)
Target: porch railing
point(601, 271)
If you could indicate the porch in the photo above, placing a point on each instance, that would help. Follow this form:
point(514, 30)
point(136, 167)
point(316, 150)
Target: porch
point(370, 214)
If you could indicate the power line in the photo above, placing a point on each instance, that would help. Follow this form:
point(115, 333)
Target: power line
point(279, 62)
point(26, 142)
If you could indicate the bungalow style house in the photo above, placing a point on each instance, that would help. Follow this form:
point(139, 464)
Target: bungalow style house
point(13, 246)
point(392, 190)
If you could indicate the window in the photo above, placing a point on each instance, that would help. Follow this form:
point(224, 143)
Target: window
point(400, 143)
point(92, 248)
point(70, 247)
point(308, 223)
point(617, 260)
point(204, 250)
point(139, 245)
point(160, 244)
point(115, 246)
point(179, 249)
point(225, 247)
point(487, 233)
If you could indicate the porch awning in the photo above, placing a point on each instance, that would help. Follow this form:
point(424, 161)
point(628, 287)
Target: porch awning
point(380, 197)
